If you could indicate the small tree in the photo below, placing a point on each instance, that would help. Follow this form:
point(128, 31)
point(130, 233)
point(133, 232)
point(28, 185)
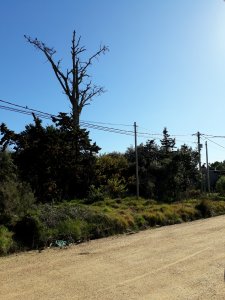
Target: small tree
point(75, 81)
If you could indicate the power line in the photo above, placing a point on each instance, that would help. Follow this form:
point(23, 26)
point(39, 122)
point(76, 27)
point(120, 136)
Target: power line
point(88, 124)
point(214, 142)
point(28, 111)
point(26, 108)
point(215, 136)
point(111, 124)
point(108, 129)
point(160, 134)
point(35, 110)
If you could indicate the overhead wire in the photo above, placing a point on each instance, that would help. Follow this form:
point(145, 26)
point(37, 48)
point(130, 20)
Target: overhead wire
point(23, 111)
point(111, 124)
point(206, 138)
point(87, 124)
point(26, 108)
point(215, 136)
point(28, 111)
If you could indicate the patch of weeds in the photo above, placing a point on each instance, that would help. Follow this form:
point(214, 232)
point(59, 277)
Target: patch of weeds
point(154, 218)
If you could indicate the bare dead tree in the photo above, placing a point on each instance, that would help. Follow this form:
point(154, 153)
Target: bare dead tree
point(75, 81)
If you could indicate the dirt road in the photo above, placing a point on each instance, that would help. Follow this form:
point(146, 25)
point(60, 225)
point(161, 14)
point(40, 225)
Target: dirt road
point(184, 261)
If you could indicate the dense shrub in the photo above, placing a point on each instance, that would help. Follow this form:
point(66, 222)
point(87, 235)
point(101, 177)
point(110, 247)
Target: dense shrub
point(6, 241)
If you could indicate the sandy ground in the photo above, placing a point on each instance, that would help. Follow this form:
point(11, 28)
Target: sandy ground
point(184, 261)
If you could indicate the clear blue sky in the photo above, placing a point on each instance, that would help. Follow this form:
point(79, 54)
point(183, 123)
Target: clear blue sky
point(166, 65)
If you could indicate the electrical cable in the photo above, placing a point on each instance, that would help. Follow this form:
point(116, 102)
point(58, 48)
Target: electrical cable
point(214, 142)
point(87, 124)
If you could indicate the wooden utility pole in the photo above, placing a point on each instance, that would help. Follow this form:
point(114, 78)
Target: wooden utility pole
point(199, 161)
point(136, 159)
point(207, 165)
point(199, 150)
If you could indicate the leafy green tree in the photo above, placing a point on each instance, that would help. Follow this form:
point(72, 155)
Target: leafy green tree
point(111, 171)
point(58, 161)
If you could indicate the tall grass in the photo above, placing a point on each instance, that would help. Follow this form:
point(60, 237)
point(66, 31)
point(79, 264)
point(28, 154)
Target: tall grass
point(75, 221)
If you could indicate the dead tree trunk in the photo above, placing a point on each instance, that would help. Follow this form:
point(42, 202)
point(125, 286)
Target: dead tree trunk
point(75, 81)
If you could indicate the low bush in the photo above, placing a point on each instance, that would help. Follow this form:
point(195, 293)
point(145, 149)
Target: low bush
point(6, 240)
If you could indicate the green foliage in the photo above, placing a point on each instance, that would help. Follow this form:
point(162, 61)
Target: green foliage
point(148, 158)
point(154, 218)
point(95, 194)
point(58, 161)
point(16, 197)
point(220, 185)
point(111, 171)
point(73, 222)
point(72, 230)
point(167, 143)
point(8, 170)
point(6, 241)
point(116, 187)
point(164, 175)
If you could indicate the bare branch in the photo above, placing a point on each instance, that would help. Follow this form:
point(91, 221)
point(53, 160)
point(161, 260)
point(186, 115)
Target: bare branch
point(83, 68)
point(74, 80)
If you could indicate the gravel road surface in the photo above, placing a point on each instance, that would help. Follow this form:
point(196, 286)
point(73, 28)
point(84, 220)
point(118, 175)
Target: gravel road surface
point(183, 261)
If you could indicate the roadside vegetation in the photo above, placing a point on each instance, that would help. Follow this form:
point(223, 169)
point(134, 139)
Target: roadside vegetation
point(56, 189)
point(44, 168)
point(75, 222)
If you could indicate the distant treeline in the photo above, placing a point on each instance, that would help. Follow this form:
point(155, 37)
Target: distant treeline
point(60, 162)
